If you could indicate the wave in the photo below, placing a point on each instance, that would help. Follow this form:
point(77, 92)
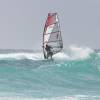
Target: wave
point(50, 80)
point(18, 56)
point(70, 97)
point(72, 53)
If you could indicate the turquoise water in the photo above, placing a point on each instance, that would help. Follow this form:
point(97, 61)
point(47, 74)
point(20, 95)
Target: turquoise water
point(27, 76)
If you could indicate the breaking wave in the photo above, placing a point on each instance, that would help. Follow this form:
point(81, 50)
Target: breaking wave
point(74, 74)
point(74, 97)
point(71, 53)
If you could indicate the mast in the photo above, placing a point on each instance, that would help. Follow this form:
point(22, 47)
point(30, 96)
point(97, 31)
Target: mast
point(43, 42)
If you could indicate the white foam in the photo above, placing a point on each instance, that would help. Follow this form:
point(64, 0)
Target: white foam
point(72, 53)
point(61, 55)
point(70, 97)
point(18, 56)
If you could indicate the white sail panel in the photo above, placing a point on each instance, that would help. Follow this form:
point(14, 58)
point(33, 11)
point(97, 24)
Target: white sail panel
point(55, 28)
point(49, 29)
point(47, 33)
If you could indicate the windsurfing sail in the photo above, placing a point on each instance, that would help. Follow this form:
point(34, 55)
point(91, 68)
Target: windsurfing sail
point(52, 34)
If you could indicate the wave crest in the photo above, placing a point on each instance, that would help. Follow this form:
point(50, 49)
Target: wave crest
point(72, 53)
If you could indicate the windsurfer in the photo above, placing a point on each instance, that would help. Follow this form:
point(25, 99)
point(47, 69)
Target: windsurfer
point(48, 50)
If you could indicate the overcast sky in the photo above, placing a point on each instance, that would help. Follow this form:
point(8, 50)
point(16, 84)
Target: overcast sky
point(22, 22)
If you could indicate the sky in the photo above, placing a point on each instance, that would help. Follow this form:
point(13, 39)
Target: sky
point(22, 22)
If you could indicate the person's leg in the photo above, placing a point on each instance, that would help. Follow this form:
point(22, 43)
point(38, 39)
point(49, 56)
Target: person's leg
point(47, 55)
point(51, 54)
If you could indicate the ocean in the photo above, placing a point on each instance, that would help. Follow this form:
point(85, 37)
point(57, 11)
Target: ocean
point(73, 74)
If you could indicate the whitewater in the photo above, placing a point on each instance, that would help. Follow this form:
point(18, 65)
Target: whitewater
point(73, 74)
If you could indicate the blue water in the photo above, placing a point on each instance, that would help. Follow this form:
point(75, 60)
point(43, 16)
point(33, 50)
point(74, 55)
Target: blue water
point(69, 76)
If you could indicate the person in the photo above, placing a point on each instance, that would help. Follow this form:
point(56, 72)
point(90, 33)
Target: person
point(48, 50)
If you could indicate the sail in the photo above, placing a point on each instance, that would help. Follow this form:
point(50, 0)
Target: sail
point(52, 34)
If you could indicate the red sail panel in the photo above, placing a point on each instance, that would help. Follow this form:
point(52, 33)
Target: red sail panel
point(51, 19)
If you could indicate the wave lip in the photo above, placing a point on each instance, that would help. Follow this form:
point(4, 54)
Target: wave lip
point(19, 56)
